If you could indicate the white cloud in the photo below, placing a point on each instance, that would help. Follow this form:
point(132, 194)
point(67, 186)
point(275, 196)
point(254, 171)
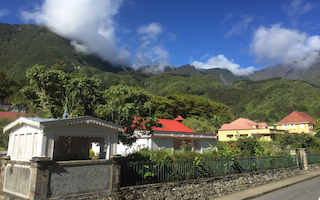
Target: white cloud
point(4, 12)
point(151, 31)
point(280, 45)
point(242, 25)
point(296, 8)
point(89, 23)
point(221, 61)
point(149, 51)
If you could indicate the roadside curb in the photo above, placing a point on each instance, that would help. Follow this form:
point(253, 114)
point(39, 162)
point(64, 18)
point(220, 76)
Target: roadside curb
point(270, 187)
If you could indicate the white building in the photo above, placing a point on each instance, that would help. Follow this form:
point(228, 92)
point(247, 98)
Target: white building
point(171, 136)
point(60, 139)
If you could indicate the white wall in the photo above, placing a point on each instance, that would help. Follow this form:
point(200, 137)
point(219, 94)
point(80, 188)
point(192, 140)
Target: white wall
point(24, 143)
point(138, 145)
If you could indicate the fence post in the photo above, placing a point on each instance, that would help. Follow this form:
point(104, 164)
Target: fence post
point(115, 172)
point(303, 156)
point(293, 152)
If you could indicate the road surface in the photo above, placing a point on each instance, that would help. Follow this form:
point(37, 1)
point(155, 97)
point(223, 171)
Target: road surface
point(306, 190)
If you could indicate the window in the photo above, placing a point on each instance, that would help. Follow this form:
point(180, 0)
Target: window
point(301, 126)
point(229, 136)
point(311, 126)
point(292, 126)
point(285, 126)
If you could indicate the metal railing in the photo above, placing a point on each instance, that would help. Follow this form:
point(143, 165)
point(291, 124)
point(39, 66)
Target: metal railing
point(313, 158)
point(144, 172)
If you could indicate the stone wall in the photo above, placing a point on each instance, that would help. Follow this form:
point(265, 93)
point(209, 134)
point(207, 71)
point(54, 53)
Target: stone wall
point(69, 178)
point(206, 188)
point(314, 167)
point(17, 178)
point(43, 178)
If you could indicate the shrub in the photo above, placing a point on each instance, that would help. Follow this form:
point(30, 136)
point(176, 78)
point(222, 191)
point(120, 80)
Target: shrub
point(249, 146)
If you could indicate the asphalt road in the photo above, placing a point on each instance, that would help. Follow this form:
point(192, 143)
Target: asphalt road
point(306, 190)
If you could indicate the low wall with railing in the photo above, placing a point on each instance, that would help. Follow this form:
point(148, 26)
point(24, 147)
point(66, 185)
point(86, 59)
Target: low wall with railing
point(206, 188)
point(138, 173)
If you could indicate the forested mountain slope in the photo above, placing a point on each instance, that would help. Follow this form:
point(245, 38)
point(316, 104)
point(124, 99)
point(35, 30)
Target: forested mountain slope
point(23, 46)
point(267, 100)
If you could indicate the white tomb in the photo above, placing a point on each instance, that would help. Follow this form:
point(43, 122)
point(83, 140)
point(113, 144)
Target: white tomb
point(60, 139)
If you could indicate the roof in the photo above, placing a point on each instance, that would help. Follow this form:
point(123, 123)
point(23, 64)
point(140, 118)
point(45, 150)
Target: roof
point(243, 124)
point(42, 122)
point(12, 115)
point(297, 117)
point(171, 134)
point(172, 125)
point(179, 118)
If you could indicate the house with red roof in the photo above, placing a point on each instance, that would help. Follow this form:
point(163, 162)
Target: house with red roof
point(10, 115)
point(171, 135)
point(297, 122)
point(243, 127)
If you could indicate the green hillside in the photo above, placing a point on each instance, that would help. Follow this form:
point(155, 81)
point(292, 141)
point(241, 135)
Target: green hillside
point(223, 75)
point(23, 46)
point(267, 100)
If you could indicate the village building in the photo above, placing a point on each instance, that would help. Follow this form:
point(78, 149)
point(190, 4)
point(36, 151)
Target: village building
point(13, 108)
point(297, 122)
point(243, 127)
point(172, 136)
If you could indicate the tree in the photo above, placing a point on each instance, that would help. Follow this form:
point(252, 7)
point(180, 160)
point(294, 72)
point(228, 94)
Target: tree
point(189, 105)
point(53, 90)
point(129, 107)
point(4, 137)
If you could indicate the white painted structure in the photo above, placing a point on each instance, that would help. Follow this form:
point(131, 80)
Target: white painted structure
point(60, 139)
point(170, 140)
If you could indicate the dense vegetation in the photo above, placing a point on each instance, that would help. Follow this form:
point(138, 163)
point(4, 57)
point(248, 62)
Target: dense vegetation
point(267, 100)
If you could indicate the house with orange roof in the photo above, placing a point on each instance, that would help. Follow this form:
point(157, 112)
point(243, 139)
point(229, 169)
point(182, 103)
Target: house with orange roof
point(297, 122)
point(172, 135)
point(243, 127)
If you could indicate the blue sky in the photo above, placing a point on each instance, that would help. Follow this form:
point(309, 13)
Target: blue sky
point(242, 36)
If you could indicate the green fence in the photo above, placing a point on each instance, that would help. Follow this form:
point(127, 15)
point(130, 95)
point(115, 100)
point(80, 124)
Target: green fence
point(313, 158)
point(138, 173)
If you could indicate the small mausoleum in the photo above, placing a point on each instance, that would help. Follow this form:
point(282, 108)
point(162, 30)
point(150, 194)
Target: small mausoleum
point(60, 139)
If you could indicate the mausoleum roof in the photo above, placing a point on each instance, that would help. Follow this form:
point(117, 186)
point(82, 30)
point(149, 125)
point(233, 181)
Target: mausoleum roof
point(44, 122)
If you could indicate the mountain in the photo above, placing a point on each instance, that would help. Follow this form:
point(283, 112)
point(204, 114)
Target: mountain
point(153, 70)
point(223, 75)
point(23, 46)
point(311, 74)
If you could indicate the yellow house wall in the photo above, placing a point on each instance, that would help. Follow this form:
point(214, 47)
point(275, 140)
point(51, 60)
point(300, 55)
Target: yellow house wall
point(297, 128)
point(223, 135)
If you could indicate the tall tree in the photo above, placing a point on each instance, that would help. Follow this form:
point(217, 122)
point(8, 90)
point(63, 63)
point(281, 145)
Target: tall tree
point(189, 105)
point(54, 90)
point(129, 107)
